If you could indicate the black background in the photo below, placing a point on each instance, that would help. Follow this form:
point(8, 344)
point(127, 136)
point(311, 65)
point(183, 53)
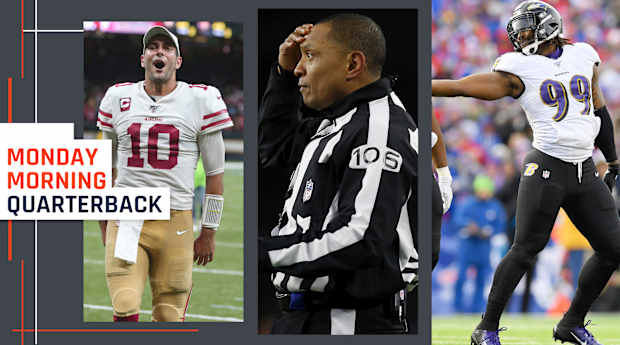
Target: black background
point(274, 25)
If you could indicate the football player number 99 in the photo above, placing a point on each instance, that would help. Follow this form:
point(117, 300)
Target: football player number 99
point(553, 94)
point(137, 162)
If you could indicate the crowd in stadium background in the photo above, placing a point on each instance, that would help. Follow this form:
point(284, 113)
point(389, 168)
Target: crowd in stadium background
point(492, 138)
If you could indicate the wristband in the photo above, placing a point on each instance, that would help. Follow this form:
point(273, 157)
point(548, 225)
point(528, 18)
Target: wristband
point(212, 210)
point(443, 173)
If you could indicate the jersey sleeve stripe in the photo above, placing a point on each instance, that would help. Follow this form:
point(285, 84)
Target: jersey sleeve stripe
point(214, 114)
point(123, 84)
point(105, 114)
point(215, 123)
point(105, 123)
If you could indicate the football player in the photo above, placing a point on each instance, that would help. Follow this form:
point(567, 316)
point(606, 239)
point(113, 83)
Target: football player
point(556, 83)
point(158, 128)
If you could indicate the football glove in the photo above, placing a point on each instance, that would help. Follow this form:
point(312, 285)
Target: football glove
point(611, 175)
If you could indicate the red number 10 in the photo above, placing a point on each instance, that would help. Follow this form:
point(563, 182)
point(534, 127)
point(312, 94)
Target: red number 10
point(137, 162)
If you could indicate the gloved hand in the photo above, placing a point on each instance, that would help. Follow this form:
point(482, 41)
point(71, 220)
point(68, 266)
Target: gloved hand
point(611, 175)
point(444, 180)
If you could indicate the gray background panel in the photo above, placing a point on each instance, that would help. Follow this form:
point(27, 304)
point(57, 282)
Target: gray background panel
point(60, 74)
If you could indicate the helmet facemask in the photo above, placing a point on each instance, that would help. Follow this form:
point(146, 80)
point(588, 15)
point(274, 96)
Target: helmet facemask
point(544, 21)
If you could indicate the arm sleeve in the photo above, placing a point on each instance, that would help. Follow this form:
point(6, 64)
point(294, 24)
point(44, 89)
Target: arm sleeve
point(105, 116)
point(605, 138)
point(372, 204)
point(212, 152)
point(282, 134)
point(215, 114)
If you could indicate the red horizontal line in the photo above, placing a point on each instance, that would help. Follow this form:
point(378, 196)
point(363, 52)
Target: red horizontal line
point(214, 114)
point(105, 114)
point(215, 123)
point(77, 330)
point(105, 124)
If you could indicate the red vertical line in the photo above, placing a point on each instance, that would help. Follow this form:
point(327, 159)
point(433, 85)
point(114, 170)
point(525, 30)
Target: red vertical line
point(10, 240)
point(22, 40)
point(10, 99)
point(22, 331)
point(9, 120)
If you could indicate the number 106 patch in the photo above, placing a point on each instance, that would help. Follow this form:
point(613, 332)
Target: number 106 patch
point(363, 156)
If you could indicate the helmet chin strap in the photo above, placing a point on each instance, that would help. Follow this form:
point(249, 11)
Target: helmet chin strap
point(532, 48)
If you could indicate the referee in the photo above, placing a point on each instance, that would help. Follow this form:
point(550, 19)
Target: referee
point(344, 252)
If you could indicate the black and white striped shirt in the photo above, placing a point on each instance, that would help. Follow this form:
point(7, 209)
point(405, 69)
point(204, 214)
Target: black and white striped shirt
point(348, 223)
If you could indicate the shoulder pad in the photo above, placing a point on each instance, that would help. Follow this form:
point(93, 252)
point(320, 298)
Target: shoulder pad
point(587, 51)
point(510, 62)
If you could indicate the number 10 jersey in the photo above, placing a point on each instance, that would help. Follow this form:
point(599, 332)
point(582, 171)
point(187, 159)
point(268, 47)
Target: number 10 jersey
point(557, 99)
point(158, 140)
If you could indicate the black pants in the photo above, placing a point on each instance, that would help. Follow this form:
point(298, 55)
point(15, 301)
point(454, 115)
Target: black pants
point(375, 320)
point(547, 184)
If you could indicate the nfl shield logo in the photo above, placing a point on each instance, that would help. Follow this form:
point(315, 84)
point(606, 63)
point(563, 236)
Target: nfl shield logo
point(154, 108)
point(308, 191)
point(546, 174)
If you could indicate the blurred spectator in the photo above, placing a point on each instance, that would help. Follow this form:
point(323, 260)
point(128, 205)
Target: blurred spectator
point(478, 218)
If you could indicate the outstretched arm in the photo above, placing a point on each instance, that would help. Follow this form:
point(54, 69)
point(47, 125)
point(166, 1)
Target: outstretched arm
point(487, 86)
point(439, 149)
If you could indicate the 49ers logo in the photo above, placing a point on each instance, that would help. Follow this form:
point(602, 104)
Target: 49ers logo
point(125, 103)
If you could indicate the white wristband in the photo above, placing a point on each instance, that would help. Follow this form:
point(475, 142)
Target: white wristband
point(443, 174)
point(212, 207)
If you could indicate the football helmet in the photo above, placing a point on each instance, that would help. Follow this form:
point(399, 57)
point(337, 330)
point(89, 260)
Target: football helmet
point(544, 21)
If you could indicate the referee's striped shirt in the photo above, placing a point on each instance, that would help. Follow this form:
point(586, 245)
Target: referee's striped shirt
point(348, 223)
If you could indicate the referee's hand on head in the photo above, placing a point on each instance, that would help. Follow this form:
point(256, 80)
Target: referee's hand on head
point(289, 53)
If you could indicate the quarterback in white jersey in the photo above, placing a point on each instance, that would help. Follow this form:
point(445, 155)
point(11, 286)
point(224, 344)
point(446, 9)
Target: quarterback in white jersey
point(158, 128)
point(556, 83)
point(158, 140)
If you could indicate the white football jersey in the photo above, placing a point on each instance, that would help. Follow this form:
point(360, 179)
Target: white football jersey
point(558, 99)
point(158, 140)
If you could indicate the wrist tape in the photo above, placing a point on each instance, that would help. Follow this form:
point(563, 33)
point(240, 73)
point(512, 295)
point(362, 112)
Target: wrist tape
point(212, 207)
